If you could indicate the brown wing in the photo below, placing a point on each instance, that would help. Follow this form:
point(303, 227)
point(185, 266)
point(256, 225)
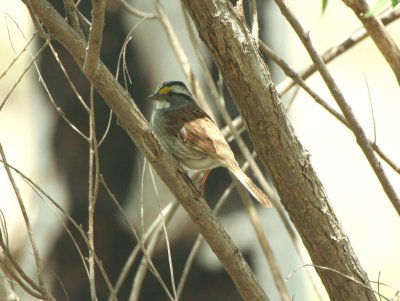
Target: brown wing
point(197, 130)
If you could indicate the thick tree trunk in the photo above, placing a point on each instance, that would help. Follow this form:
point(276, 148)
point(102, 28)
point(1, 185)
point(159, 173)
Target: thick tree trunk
point(250, 85)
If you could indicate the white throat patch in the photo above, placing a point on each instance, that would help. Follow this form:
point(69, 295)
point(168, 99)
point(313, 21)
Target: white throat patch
point(162, 104)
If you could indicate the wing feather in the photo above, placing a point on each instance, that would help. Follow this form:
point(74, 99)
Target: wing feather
point(199, 131)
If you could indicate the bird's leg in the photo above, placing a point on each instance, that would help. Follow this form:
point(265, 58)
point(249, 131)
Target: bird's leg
point(203, 181)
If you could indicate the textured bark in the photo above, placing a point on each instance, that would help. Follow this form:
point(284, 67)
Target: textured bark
point(249, 82)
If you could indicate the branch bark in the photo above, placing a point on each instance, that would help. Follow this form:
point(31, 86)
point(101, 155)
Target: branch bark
point(250, 85)
point(131, 119)
point(378, 33)
point(351, 119)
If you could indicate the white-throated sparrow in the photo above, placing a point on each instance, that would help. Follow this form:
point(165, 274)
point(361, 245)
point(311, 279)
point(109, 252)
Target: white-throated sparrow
point(191, 136)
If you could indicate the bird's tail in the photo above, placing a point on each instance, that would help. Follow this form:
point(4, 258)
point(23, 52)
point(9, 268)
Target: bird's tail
point(249, 184)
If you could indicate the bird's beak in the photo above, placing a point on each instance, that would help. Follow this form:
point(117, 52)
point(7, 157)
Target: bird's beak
point(154, 96)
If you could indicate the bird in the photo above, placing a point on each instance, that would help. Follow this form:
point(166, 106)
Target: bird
point(192, 137)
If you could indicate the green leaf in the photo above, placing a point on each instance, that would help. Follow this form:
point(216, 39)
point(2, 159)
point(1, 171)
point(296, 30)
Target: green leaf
point(395, 2)
point(325, 4)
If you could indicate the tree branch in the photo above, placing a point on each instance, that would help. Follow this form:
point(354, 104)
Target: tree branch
point(333, 52)
point(356, 128)
point(131, 119)
point(95, 36)
point(378, 33)
point(250, 85)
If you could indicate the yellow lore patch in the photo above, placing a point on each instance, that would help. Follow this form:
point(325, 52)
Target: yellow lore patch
point(164, 90)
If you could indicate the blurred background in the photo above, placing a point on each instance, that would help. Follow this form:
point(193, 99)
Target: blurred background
point(43, 146)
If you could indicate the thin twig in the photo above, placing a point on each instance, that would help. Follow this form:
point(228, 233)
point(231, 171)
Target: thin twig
point(396, 289)
point(22, 75)
point(16, 278)
point(377, 31)
point(203, 64)
point(95, 37)
point(151, 248)
point(337, 272)
point(168, 211)
point(379, 285)
point(21, 274)
point(72, 16)
point(372, 109)
point(298, 80)
point(254, 19)
point(25, 216)
point(67, 77)
point(93, 191)
point(36, 21)
point(124, 45)
point(181, 56)
point(6, 291)
point(199, 240)
point(6, 17)
point(340, 100)
point(52, 101)
point(136, 12)
point(40, 192)
point(3, 229)
point(27, 224)
point(18, 55)
point(386, 158)
point(337, 50)
point(175, 44)
point(167, 241)
point(265, 246)
point(140, 203)
point(138, 240)
point(292, 98)
point(107, 130)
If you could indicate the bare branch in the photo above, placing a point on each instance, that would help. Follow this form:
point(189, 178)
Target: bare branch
point(265, 246)
point(378, 33)
point(181, 56)
point(72, 16)
point(254, 19)
point(57, 108)
point(42, 193)
point(72, 85)
point(6, 292)
point(168, 212)
point(94, 174)
point(339, 273)
point(337, 50)
point(347, 112)
point(136, 12)
point(16, 83)
point(298, 80)
point(199, 240)
point(140, 242)
point(167, 241)
point(27, 223)
point(95, 36)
